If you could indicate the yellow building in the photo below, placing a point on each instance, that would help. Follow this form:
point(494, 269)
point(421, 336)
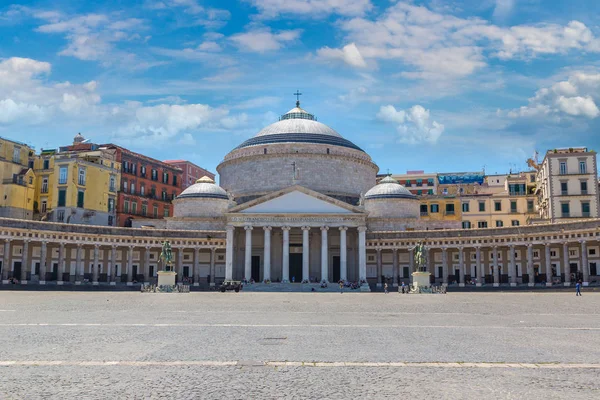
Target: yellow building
point(445, 209)
point(504, 200)
point(78, 184)
point(18, 180)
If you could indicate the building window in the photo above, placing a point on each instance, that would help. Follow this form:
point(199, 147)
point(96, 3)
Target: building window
point(166, 214)
point(466, 224)
point(81, 179)
point(499, 224)
point(155, 211)
point(450, 209)
point(564, 188)
point(564, 208)
point(111, 205)
point(563, 168)
point(62, 198)
point(497, 206)
point(513, 206)
point(112, 184)
point(44, 185)
point(585, 209)
point(582, 167)
point(125, 186)
point(482, 224)
point(60, 215)
point(445, 191)
point(144, 209)
point(126, 206)
point(110, 220)
point(63, 173)
point(44, 206)
point(430, 182)
point(154, 175)
point(532, 178)
point(435, 208)
point(174, 180)
point(430, 192)
point(583, 186)
point(46, 164)
point(143, 171)
point(165, 177)
point(530, 206)
point(408, 182)
point(419, 192)
point(133, 207)
point(132, 188)
point(142, 190)
point(552, 253)
point(423, 209)
point(80, 198)
point(481, 206)
point(17, 154)
point(419, 182)
point(465, 207)
point(514, 222)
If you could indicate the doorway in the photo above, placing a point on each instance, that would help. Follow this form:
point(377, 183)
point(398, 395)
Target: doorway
point(17, 270)
point(295, 267)
point(335, 276)
point(255, 268)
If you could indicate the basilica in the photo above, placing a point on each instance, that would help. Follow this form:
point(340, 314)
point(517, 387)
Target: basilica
point(298, 204)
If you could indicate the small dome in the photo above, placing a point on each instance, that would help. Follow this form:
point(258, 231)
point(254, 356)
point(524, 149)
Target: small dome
point(78, 138)
point(204, 187)
point(389, 188)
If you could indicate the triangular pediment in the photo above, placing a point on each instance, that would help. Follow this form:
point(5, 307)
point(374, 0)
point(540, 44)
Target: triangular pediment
point(296, 200)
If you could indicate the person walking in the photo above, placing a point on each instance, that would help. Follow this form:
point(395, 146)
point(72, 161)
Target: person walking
point(402, 287)
point(578, 288)
point(341, 287)
point(385, 288)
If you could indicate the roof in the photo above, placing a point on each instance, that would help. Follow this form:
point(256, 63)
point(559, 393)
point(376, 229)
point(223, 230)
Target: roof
point(389, 188)
point(204, 187)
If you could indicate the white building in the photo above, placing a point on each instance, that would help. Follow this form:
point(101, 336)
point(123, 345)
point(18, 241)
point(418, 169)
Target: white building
point(566, 184)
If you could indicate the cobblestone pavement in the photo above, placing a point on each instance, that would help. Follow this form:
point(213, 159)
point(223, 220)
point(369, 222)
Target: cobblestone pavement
point(214, 345)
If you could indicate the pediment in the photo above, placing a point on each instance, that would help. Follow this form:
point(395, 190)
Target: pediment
point(296, 200)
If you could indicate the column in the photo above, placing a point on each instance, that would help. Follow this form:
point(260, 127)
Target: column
point(362, 253)
point(396, 272)
point(130, 266)
point(585, 267)
point(95, 270)
point(305, 254)
point(112, 275)
point(530, 265)
point(213, 257)
point(285, 262)
point(566, 267)
point(61, 264)
point(513, 266)
point(324, 254)
point(444, 265)
point(461, 267)
point(197, 266)
point(229, 253)
point(267, 254)
point(343, 254)
point(248, 254)
point(411, 261)
point(6, 261)
point(496, 268)
point(548, 264)
point(147, 265)
point(479, 267)
point(43, 256)
point(379, 267)
point(180, 264)
point(25, 264)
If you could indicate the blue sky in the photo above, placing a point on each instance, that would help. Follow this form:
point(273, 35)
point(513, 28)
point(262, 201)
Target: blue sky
point(434, 85)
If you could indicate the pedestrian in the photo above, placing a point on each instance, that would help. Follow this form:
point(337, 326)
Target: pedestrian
point(578, 288)
point(385, 288)
point(341, 287)
point(403, 287)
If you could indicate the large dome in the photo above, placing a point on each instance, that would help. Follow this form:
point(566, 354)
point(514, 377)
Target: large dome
point(389, 188)
point(298, 126)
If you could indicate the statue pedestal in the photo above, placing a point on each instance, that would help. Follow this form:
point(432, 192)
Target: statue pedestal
point(421, 279)
point(166, 278)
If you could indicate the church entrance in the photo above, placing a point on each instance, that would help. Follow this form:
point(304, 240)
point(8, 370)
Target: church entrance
point(17, 270)
point(295, 267)
point(255, 262)
point(335, 275)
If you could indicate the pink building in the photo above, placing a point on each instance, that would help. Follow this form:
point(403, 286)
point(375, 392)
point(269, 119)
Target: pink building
point(191, 172)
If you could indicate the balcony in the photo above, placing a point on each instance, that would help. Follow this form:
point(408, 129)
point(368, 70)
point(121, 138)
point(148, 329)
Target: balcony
point(513, 211)
point(565, 215)
point(449, 212)
point(44, 189)
point(585, 214)
point(81, 181)
point(584, 192)
point(424, 213)
point(564, 192)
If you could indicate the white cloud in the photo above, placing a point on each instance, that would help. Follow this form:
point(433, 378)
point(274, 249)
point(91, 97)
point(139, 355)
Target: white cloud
point(263, 40)
point(348, 54)
point(503, 8)
point(312, 8)
point(576, 97)
point(413, 125)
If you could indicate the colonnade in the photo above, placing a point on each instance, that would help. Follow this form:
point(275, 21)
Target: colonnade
point(285, 273)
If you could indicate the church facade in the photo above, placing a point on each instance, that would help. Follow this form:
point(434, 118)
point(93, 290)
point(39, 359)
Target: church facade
point(299, 203)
